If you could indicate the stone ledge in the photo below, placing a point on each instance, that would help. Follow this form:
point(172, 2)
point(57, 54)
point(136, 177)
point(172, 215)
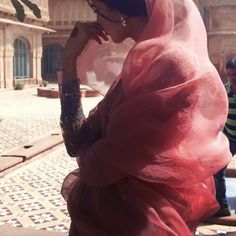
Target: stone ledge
point(54, 92)
point(6, 230)
point(29, 150)
point(226, 220)
point(7, 162)
point(47, 92)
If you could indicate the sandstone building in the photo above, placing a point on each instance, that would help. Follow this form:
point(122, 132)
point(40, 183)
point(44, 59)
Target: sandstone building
point(21, 45)
point(220, 20)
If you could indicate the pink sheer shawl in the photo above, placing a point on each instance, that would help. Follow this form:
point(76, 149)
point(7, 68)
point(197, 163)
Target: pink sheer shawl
point(99, 65)
point(166, 135)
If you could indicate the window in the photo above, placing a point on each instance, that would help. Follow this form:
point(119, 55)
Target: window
point(21, 59)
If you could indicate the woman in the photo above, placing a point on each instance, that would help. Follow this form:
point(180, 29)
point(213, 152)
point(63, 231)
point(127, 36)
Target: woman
point(148, 151)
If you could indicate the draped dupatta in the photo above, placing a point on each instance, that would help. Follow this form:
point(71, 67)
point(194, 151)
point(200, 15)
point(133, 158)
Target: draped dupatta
point(166, 135)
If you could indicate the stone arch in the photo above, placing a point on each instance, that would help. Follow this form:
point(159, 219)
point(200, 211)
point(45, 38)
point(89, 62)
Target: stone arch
point(51, 61)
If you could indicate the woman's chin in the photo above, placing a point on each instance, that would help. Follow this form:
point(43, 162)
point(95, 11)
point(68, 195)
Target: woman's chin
point(117, 39)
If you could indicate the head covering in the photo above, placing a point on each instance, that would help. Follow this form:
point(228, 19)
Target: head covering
point(128, 7)
point(166, 135)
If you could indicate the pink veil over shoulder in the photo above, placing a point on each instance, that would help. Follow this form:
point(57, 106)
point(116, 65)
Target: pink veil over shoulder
point(166, 135)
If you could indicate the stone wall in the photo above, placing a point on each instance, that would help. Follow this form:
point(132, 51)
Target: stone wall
point(31, 32)
point(219, 17)
point(8, 36)
point(63, 15)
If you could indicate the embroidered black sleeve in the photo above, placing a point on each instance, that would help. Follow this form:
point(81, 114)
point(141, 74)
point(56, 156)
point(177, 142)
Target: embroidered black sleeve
point(72, 116)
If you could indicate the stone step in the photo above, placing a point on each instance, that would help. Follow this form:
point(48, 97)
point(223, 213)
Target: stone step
point(226, 220)
point(54, 92)
point(6, 230)
point(29, 150)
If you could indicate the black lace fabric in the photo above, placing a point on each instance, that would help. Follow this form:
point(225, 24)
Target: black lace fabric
point(79, 132)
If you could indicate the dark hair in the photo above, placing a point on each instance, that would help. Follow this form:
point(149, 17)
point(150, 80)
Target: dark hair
point(130, 8)
point(231, 64)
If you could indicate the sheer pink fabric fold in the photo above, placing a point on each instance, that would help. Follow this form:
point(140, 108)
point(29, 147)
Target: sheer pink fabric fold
point(164, 142)
point(99, 65)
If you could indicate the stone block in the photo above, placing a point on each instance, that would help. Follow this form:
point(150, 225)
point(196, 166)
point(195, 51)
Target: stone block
point(29, 150)
point(48, 92)
point(7, 162)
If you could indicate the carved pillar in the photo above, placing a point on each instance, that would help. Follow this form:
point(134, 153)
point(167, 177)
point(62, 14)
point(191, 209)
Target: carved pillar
point(34, 56)
point(39, 53)
point(1, 58)
point(8, 60)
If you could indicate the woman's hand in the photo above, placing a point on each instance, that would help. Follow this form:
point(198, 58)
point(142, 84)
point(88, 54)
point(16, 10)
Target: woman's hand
point(76, 43)
point(80, 36)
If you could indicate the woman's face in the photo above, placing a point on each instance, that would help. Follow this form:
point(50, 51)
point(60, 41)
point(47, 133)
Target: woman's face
point(110, 20)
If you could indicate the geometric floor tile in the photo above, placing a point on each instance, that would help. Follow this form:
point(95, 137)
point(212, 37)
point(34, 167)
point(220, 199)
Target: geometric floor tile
point(12, 222)
point(58, 180)
point(30, 178)
point(33, 206)
point(20, 197)
point(42, 218)
point(50, 192)
point(4, 211)
point(12, 188)
point(58, 228)
point(39, 184)
point(65, 211)
point(54, 175)
point(9, 181)
point(30, 196)
point(57, 202)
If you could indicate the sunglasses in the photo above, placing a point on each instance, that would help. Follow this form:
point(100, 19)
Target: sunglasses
point(100, 14)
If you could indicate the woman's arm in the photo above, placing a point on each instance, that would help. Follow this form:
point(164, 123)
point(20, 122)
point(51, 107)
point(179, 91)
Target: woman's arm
point(72, 116)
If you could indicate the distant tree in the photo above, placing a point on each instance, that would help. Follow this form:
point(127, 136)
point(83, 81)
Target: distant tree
point(20, 11)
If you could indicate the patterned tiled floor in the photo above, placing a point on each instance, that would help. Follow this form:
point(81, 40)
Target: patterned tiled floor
point(30, 196)
point(24, 116)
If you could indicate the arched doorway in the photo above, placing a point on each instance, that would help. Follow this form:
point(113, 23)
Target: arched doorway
point(21, 59)
point(51, 61)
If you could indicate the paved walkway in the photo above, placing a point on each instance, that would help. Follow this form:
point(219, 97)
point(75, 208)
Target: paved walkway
point(24, 116)
point(30, 196)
